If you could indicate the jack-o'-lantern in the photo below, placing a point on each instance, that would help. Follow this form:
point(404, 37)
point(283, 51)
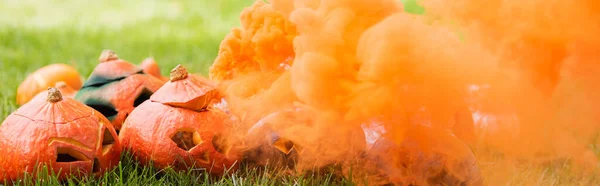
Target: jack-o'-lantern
point(425, 156)
point(116, 87)
point(274, 151)
point(68, 137)
point(280, 140)
point(270, 148)
point(175, 129)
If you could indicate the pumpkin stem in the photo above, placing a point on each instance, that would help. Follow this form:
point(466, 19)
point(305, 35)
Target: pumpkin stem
point(108, 55)
point(54, 95)
point(178, 73)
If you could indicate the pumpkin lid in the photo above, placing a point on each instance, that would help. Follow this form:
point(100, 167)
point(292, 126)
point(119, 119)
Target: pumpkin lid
point(185, 90)
point(111, 68)
point(54, 108)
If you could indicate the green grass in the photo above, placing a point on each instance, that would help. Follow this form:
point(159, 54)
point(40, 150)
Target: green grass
point(37, 33)
point(130, 172)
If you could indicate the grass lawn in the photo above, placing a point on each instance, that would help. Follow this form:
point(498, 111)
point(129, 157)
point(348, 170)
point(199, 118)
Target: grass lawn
point(37, 33)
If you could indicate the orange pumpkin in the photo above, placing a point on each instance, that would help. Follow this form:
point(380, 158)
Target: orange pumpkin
point(61, 133)
point(426, 156)
point(268, 147)
point(64, 88)
point(45, 77)
point(174, 128)
point(280, 140)
point(116, 87)
point(150, 67)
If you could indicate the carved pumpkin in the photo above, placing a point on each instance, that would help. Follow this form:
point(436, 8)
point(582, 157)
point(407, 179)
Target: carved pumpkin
point(150, 67)
point(116, 87)
point(269, 147)
point(58, 132)
point(45, 77)
point(174, 128)
point(426, 156)
point(273, 142)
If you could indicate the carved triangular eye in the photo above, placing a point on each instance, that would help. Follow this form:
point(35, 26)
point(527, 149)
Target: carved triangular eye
point(220, 143)
point(107, 141)
point(284, 145)
point(186, 140)
point(66, 155)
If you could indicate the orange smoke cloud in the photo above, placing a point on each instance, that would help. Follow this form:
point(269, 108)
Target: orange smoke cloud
point(547, 46)
point(323, 69)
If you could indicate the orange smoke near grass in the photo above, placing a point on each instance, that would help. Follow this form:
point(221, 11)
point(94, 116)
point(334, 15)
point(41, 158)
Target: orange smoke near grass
point(549, 48)
point(345, 63)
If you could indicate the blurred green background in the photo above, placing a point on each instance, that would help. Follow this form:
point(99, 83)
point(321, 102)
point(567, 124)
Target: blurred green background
point(36, 33)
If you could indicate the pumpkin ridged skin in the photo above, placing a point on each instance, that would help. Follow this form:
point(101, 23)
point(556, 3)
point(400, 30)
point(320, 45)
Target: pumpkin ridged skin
point(147, 132)
point(45, 77)
point(114, 87)
point(150, 129)
point(32, 135)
